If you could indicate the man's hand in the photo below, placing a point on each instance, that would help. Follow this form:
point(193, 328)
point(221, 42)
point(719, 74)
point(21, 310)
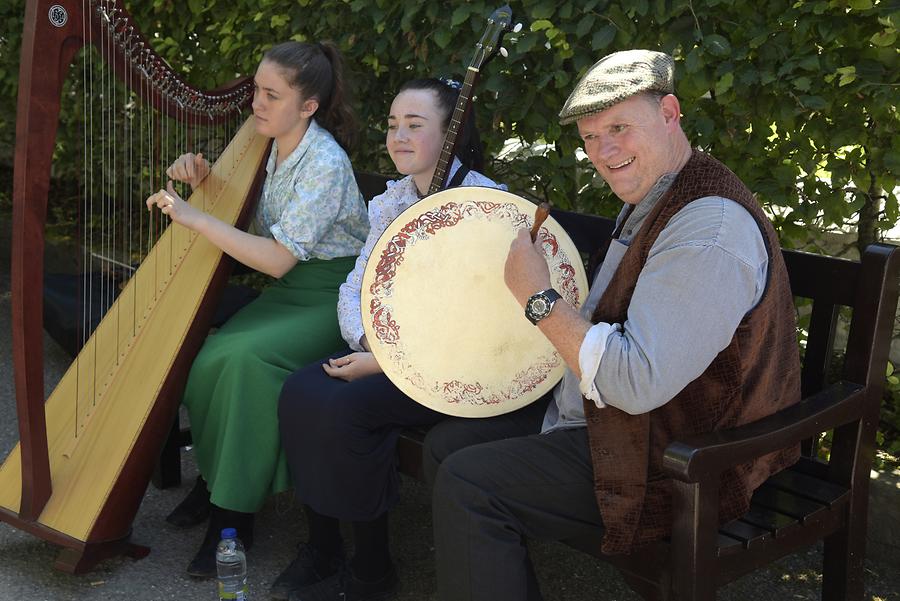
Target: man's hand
point(352, 366)
point(526, 270)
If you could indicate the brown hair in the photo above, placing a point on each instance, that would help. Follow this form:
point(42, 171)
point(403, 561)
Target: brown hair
point(468, 147)
point(317, 70)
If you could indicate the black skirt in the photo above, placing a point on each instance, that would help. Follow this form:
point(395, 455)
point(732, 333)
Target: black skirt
point(340, 439)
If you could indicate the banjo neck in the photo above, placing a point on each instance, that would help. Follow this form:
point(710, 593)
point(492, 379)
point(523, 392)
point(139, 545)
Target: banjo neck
point(497, 24)
point(442, 171)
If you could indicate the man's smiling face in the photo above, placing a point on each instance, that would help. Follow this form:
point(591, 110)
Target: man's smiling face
point(632, 143)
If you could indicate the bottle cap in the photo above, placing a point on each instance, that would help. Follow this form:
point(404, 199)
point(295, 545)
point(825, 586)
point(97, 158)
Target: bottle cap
point(229, 533)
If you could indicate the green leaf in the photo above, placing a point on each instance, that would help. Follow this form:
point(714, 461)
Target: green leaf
point(802, 83)
point(603, 37)
point(860, 4)
point(758, 40)
point(724, 83)
point(717, 45)
point(543, 11)
point(442, 37)
point(541, 24)
point(884, 38)
point(524, 43)
point(766, 77)
point(460, 15)
point(694, 61)
point(891, 160)
point(816, 103)
point(584, 25)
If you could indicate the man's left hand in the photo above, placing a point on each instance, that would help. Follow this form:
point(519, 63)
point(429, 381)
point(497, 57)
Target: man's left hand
point(526, 270)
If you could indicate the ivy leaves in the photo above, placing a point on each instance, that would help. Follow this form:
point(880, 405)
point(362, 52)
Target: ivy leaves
point(800, 98)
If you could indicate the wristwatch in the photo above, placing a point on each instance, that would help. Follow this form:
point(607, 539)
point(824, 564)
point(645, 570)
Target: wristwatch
point(540, 304)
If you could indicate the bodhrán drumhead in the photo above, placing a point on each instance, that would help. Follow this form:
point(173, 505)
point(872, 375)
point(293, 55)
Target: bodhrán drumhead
point(439, 317)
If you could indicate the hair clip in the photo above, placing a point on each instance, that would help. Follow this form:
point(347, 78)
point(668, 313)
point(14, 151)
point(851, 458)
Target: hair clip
point(451, 82)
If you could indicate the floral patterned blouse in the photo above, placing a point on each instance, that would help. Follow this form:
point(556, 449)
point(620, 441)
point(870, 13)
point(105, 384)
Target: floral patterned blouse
point(383, 209)
point(311, 203)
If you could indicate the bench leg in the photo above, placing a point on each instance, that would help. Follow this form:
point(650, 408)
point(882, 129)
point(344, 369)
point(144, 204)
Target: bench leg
point(842, 565)
point(845, 550)
point(694, 532)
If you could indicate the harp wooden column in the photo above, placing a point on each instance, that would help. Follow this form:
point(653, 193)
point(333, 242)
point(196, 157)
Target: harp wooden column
point(79, 485)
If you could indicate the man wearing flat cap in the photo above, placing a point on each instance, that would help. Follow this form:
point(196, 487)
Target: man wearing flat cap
point(688, 328)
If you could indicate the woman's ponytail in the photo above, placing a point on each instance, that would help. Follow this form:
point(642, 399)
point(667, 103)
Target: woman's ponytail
point(317, 70)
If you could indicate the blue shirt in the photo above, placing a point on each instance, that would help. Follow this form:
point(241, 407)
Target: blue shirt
point(705, 271)
point(311, 203)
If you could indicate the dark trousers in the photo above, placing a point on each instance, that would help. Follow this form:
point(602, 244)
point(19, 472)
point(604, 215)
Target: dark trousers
point(340, 439)
point(497, 482)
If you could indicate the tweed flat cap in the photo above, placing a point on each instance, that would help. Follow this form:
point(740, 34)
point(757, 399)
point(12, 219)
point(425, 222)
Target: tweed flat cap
point(617, 76)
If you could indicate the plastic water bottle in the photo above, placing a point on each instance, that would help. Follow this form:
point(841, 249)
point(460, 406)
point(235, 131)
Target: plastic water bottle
point(231, 566)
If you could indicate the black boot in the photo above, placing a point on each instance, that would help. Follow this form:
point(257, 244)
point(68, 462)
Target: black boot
point(194, 509)
point(309, 567)
point(204, 563)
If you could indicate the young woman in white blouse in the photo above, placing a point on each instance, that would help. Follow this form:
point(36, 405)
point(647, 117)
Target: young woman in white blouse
point(340, 418)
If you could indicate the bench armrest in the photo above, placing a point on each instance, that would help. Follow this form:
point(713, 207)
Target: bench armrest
point(705, 456)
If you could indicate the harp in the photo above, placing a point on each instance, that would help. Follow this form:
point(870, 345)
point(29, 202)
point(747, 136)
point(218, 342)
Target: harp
point(85, 456)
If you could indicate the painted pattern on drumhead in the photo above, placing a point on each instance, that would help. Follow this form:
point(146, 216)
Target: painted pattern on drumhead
point(463, 348)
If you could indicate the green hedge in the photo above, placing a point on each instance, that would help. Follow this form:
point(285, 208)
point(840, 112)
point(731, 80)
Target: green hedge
point(798, 97)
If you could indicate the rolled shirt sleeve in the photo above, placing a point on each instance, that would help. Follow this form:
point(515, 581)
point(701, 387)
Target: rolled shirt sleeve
point(592, 348)
point(706, 270)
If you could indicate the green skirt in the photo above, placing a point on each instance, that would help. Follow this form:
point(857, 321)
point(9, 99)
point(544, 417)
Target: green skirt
point(233, 387)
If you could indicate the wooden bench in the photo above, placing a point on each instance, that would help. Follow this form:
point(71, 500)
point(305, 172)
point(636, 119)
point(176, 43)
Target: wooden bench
point(811, 501)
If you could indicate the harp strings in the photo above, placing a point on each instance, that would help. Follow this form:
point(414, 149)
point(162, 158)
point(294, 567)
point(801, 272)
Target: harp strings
point(133, 125)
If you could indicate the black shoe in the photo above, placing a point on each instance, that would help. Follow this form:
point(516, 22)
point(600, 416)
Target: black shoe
point(309, 567)
point(344, 586)
point(194, 509)
point(204, 563)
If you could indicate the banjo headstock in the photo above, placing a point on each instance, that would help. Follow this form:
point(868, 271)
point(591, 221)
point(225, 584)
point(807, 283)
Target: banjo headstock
point(499, 23)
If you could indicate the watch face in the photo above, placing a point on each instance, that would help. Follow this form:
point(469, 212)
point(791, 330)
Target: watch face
point(539, 305)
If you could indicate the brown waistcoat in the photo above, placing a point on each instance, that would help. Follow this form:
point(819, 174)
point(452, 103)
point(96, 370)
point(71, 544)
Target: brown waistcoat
point(757, 374)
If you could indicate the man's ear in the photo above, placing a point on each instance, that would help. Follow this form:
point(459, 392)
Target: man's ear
point(309, 107)
point(671, 109)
